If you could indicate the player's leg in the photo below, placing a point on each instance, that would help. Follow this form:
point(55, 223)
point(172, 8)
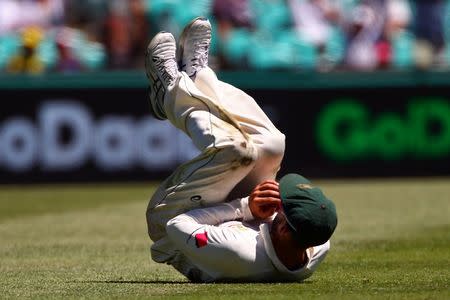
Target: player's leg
point(205, 180)
point(269, 141)
point(251, 119)
point(232, 102)
point(227, 154)
point(193, 51)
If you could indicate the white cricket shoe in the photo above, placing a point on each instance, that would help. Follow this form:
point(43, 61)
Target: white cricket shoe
point(161, 69)
point(193, 47)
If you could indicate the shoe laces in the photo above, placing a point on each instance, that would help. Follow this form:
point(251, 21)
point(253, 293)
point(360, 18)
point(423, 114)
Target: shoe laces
point(167, 68)
point(201, 53)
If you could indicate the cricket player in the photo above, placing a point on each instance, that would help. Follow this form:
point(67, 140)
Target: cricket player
point(222, 216)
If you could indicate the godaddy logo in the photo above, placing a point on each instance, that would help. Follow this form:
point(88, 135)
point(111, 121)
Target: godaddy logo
point(67, 136)
point(348, 130)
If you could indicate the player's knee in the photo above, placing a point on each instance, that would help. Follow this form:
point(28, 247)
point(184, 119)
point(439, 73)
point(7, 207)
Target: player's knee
point(154, 231)
point(156, 222)
point(241, 152)
point(273, 145)
point(280, 144)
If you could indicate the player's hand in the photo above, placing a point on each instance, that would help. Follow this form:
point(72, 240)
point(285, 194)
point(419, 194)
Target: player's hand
point(265, 200)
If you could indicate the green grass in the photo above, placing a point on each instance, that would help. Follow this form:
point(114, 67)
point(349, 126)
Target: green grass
point(87, 241)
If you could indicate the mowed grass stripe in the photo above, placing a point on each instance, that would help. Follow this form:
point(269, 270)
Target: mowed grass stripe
point(390, 244)
point(79, 252)
point(29, 200)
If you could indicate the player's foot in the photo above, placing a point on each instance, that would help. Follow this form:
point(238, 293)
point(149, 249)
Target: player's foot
point(193, 47)
point(161, 69)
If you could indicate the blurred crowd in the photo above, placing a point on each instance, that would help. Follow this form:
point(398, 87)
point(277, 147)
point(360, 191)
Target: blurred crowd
point(39, 36)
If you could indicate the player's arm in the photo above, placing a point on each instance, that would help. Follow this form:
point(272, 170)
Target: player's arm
point(199, 227)
point(188, 222)
point(262, 203)
point(213, 249)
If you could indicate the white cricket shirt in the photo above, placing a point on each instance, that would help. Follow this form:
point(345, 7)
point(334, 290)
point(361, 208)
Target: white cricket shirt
point(225, 243)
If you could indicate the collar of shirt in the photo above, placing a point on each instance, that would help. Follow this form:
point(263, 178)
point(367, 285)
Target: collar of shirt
point(265, 233)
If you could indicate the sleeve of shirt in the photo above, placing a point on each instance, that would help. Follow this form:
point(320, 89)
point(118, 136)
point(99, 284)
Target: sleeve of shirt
point(320, 252)
point(207, 245)
point(234, 210)
point(318, 255)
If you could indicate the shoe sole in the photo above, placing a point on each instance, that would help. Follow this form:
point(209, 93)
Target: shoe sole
point(180, 52)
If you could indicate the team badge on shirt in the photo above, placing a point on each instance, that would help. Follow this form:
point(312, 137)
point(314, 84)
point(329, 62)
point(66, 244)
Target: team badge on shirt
point(201, 239)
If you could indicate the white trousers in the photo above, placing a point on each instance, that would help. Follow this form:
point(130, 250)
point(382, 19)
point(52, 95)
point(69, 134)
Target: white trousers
point(240, 147)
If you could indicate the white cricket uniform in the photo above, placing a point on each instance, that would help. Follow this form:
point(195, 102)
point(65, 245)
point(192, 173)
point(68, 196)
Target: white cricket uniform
point(214, 246)
point(240, 148)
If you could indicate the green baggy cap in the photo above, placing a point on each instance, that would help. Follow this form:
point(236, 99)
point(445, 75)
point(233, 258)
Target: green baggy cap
point(311, 216)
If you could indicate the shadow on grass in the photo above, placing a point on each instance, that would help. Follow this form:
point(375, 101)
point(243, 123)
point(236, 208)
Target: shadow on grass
point(133, 281)
point(183, 282)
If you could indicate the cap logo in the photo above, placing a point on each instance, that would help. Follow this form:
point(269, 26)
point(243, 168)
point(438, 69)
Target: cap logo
point(304, 186)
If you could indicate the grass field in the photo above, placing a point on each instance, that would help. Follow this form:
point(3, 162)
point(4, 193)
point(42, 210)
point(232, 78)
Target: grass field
point(88, 241)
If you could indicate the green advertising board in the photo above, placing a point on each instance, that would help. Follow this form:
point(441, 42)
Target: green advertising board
point(347, 130)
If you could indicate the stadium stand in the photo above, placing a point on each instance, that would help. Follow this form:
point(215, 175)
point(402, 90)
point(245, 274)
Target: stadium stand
point(38, 36)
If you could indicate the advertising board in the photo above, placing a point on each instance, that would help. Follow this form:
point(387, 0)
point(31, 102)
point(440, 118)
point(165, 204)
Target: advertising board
point(103, 134)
